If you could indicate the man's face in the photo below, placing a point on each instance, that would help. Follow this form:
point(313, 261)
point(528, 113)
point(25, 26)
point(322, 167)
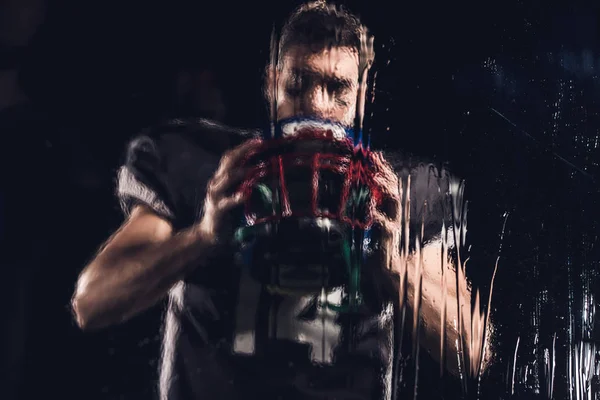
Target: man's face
point(321, 84)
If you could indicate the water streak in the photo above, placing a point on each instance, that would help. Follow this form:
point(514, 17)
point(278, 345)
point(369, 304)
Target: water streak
point(274, 59)
point(366, 57)
point(483, 335)
point(443, 317)
point(571, 328)
point(459, 225)
point(583, 360)
point(404, 259)
point(514, 368)
point(418, 300)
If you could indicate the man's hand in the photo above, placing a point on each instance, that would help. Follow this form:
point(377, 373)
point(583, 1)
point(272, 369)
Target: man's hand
point(421, 276)
point(223, 191)
point(138, 265)
point(387, 215)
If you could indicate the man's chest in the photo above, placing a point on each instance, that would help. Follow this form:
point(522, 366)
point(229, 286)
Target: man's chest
point(252, 319)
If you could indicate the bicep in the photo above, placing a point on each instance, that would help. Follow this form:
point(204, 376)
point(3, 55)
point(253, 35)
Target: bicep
point(142, 228)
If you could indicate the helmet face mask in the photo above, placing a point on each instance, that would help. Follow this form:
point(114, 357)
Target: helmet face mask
point(309, 195)
point(310, 170)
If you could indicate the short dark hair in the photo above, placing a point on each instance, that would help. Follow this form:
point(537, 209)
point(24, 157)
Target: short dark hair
point(319, 25)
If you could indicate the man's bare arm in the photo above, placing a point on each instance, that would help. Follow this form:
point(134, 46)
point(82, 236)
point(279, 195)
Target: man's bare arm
point(136, 268)
point(438, 293)
point(142, 261)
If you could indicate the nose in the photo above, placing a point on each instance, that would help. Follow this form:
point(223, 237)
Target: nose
point(317, 103)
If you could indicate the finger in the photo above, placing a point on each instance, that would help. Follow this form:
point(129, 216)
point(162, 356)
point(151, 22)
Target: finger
point(388, 199)
point(236, 156)
point(385, 170)
point(388, 186)
point(379, 219)
point(390, 206)
point(228, 182)
point(228, 203)
point(387, 239)
point(385, 224)
point(214, 210)
point(384, 175)
point(380, 226)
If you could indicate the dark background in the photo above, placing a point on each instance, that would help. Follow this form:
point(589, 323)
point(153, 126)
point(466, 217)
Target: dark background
point(508, 92)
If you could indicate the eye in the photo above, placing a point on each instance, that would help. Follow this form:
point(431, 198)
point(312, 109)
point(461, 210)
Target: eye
point(342, 95)
point(343, 101)
point(295, 84)
point(340, 91)
point(336, 88)
point(293, 91)
point(296, 81)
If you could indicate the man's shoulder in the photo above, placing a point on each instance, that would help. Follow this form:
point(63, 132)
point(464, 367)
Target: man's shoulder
point(168, 166)
point(422, 170)
point(176, 137)
point(432, 185)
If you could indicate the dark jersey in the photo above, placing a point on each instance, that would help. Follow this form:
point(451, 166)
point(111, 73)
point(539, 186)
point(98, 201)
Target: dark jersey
point(226, 335)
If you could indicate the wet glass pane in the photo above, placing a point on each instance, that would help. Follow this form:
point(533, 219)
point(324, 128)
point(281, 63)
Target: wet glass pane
point(423, 226)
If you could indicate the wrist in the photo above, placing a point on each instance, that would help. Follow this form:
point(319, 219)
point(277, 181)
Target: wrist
point(204, 246)
point(205, 235)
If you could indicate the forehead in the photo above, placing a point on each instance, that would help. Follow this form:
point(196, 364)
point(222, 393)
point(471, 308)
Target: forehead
point(334, 61)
